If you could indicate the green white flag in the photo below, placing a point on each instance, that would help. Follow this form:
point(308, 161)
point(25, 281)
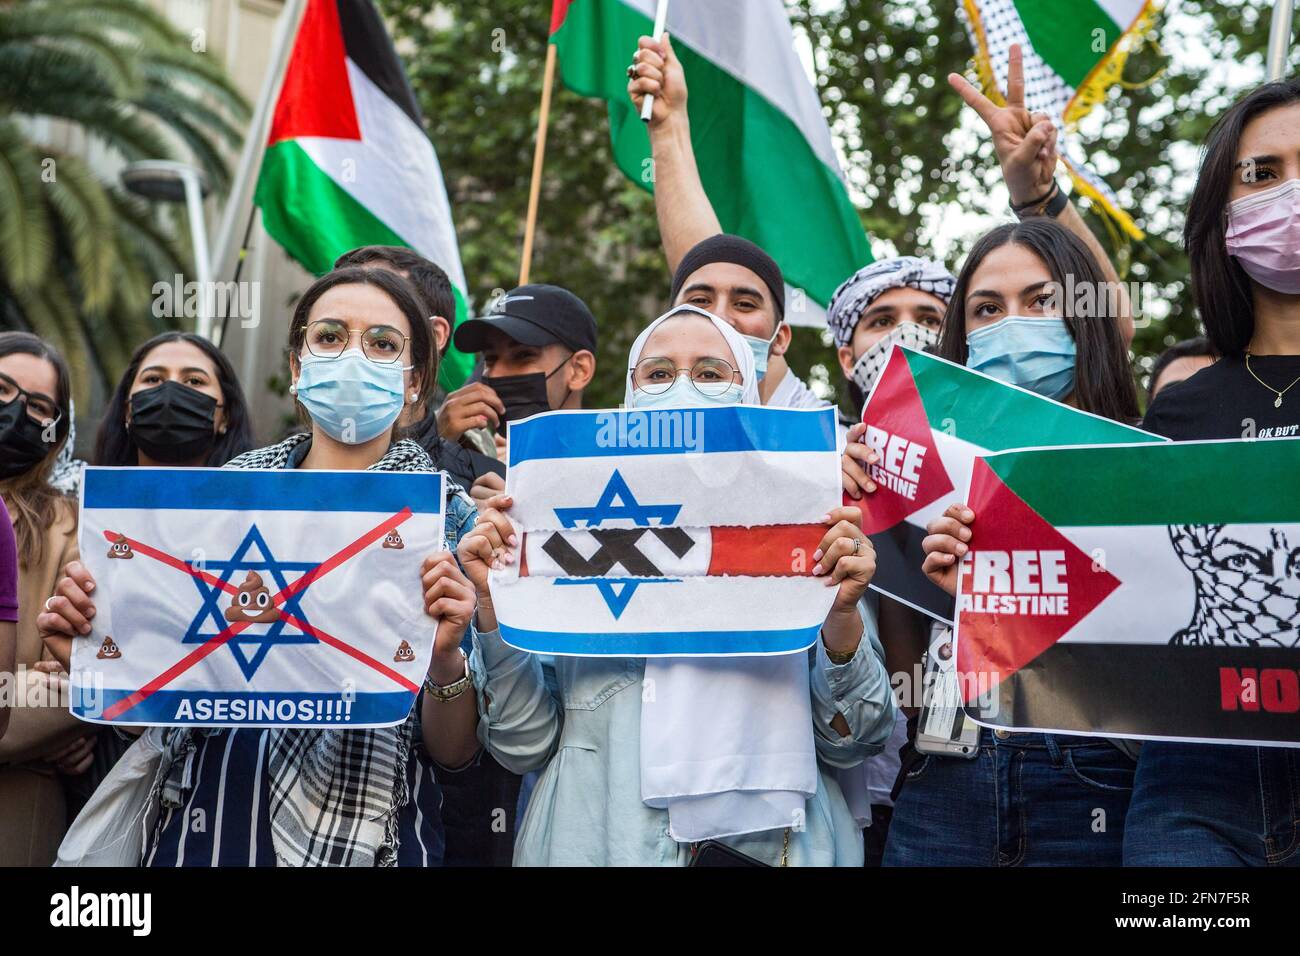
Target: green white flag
point(761, 141)
point(1074, 51)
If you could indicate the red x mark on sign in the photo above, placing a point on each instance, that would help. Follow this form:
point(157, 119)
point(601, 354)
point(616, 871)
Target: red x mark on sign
point(210, 645)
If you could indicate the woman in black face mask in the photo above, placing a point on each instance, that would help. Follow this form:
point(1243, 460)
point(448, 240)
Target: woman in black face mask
point(178, 403)
point(45, 746)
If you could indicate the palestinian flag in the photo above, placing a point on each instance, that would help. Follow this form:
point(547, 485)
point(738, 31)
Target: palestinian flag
point(348, 163)
point(1074, 52)
point(928, 419)
point(761, 141)
point(1136, 591)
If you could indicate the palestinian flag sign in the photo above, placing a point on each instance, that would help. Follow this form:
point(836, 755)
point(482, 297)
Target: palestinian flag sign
point(761, 141)
point(928, 419)
point(1147, 591)
point(348, 163)
point(1074, 51)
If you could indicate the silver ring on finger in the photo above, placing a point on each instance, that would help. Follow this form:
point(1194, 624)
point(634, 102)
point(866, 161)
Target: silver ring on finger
point(857, 546)
point(47, 602)
point(632, 71)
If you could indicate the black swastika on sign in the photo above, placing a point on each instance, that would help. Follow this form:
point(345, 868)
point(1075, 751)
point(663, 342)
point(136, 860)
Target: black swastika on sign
point(617, 546)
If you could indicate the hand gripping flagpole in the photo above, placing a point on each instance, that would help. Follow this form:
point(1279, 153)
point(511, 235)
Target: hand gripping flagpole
point(1279, 38)
point(661, 21)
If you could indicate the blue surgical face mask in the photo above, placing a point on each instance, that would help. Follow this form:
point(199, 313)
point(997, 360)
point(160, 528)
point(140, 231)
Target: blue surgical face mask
point(682, 394)
point(1034, 353)
point(761, 348)
point(352, 398)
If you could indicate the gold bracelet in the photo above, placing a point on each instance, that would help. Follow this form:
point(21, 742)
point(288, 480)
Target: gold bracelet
point(840, 658)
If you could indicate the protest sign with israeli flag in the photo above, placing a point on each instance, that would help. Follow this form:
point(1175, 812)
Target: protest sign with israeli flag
point(1148, 591)
point(668, 532)
point(928, 418)
point(231, 598)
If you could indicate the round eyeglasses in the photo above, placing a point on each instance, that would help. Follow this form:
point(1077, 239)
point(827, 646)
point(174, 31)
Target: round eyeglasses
point(329, 338)
point(710, 376)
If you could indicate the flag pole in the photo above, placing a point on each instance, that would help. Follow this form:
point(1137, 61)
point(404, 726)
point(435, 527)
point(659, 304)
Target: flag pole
point(286, 29)
point(661, 21)
point(539, 155)
point(1279, 38)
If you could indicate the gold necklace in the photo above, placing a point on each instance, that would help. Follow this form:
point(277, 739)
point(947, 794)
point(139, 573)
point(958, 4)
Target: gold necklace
point(1278, 401)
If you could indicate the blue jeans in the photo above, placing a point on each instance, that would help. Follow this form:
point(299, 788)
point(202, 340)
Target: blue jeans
point(1025, 800)
point(1204, 805)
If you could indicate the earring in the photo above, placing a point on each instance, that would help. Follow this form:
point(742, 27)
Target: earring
point(414, 397)
point(293, 389)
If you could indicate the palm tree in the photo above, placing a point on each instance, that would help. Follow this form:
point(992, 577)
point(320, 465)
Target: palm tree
point(79, 256)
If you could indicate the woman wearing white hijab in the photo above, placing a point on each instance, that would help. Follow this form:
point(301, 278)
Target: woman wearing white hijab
point(645, 760)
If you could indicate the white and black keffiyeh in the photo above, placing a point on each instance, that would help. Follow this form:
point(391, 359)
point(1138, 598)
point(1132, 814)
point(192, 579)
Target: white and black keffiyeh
point(66, 476)
point(334, 794)
point(862, 288)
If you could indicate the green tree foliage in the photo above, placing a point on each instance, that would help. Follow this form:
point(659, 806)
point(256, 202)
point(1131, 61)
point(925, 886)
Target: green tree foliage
point(910, 157)
point(78, 256)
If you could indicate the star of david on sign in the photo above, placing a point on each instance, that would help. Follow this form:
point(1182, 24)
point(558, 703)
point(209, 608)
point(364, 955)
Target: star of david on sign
point(248, 648)
point(617, 502)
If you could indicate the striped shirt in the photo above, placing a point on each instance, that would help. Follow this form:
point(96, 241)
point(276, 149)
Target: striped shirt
point(224, 819)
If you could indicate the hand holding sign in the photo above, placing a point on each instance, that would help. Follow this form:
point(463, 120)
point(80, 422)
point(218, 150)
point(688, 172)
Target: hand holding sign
point(858, 458)
point(68, 613)
point(449, 599)
point(490, 542)
point(945, 545)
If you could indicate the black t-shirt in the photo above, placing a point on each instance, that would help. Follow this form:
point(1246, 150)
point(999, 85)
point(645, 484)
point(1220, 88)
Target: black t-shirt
point(1225, 401)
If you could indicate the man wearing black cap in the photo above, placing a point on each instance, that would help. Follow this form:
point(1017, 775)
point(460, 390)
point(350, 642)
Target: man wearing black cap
point(539, 353)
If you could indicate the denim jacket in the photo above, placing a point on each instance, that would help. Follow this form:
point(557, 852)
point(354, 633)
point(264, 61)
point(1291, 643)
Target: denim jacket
point(581, 721)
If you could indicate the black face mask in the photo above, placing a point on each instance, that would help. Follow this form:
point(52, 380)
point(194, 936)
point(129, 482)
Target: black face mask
point(522, 395)
point(22, 442)
point(173, 423)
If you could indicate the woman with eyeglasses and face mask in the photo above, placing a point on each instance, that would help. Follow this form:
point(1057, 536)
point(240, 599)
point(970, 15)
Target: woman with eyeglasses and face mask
point(328, 797)
point(776, 722)
point(1025, 798)
point(44, 745)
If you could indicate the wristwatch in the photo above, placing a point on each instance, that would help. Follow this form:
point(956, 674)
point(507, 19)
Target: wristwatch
point(452, 690)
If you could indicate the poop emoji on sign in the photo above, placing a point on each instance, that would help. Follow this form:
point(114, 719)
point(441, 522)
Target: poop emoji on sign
point(404, 653)
point(120, 548)
point(253, 602)
point(108, 651)
point(393, 540)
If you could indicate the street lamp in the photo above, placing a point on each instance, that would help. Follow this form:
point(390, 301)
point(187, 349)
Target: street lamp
point(166, 181)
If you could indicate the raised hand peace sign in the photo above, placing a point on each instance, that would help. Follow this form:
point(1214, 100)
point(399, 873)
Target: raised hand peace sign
point(1025, 142)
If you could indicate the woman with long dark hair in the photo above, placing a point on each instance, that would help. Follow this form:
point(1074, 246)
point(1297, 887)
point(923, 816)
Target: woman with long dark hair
point(360, 352)
point(178, 403)
point(1216, 805)
point(1032, 308)
point(1026, 271)
point(45, 744)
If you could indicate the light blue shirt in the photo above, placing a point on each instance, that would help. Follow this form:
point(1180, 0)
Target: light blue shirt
point(583, 726)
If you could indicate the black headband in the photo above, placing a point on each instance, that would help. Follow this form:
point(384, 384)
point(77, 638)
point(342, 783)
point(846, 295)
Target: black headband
point(738, 251)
